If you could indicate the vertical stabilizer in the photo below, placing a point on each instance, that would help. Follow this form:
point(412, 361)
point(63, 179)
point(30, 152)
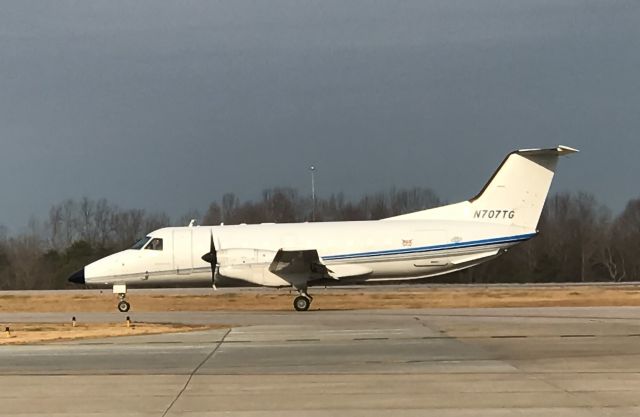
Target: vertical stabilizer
point(514, 195)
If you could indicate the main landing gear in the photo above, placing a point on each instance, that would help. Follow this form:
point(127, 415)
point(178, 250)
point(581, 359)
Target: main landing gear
point(123, 305)
point(302, 302)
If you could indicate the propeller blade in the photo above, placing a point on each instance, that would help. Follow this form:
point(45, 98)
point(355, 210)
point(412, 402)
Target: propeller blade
point(213, 279)
point(212, 258)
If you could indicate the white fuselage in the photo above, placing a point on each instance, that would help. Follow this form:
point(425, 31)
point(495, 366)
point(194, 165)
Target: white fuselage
point(414, 245)
point(362, 250)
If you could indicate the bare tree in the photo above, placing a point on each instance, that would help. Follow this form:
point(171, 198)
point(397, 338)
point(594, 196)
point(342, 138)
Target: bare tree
point(614, 263)
point(4, 232)
point(155, 221)
point(69, 222)
point(279, 205)
point(87, 220)
point(127, 226)
point(103, 225)
point(23, 253)
point(186, 218)
point(375, 206)
point(624, 240)
point(414, 199)
point(578, 239)
point(229, 208)
point(591, 224)
point(213, 215)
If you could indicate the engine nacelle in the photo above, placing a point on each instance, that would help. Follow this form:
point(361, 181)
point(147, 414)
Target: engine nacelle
point(251, 265)
point(228, 257)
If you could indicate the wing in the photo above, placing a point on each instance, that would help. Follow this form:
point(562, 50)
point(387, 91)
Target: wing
point(307, 261)
point(297, 262)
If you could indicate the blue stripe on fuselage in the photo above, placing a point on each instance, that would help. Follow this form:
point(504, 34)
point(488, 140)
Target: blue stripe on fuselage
point(433, 248)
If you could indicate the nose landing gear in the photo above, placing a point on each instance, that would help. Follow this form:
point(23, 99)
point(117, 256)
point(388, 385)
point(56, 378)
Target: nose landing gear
point(123, 305)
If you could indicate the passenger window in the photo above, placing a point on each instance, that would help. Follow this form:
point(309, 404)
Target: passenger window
point(155, 244)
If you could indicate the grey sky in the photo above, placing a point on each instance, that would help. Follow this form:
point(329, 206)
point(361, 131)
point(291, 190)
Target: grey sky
point(167, 105)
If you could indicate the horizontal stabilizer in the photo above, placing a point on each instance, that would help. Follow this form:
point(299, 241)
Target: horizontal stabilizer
point(560, 150)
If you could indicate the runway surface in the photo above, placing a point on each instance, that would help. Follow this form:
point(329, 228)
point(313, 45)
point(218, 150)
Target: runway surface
point(459, 362)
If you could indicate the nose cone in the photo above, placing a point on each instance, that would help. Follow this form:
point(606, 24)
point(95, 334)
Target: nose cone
point(209, 257)
point(77, 277)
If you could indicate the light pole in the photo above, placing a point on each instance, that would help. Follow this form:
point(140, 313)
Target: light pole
point(313, 192)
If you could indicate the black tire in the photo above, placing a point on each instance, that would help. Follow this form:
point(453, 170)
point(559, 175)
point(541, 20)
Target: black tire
point(123, 306)
point(301, 303)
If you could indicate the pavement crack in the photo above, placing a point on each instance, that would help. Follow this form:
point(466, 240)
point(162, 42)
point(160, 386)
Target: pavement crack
point(195, 370)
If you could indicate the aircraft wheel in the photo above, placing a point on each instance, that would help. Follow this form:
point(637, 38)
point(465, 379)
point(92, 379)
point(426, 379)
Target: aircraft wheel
point(301, 303)
point(123, 306)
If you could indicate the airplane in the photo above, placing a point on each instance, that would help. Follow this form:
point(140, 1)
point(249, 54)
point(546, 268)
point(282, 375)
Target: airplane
point(300, 255)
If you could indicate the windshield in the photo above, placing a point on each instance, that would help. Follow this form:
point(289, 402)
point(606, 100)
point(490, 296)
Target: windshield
point(140, 243)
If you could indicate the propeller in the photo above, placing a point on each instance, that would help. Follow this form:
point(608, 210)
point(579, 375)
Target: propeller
point(212, 258)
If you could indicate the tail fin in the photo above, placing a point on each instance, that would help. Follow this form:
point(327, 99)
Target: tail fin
point(514, 195)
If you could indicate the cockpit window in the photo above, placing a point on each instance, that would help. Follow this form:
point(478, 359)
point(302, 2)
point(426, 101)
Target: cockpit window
point(140, 243)
point(155, 244)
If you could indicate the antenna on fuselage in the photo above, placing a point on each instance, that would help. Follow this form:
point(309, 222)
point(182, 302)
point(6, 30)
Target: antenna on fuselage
point(312, 168)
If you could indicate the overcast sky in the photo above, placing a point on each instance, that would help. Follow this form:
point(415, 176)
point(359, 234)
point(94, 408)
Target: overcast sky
point(167, 105)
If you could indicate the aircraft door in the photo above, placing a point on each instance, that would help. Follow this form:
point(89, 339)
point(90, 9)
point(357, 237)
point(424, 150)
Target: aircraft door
point(182, 251)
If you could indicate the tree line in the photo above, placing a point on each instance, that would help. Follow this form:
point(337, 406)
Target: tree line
point(580, 240)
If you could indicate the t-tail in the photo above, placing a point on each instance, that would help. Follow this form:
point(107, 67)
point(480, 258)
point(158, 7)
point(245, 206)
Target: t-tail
point(514, 195)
